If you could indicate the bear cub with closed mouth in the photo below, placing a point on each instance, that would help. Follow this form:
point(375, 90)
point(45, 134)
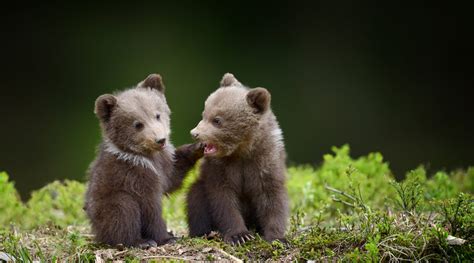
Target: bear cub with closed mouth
point(241, 185)
point(135, 166)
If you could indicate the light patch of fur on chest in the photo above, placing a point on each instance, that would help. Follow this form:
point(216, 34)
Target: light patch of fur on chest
point(134, 159)
point(277, 135)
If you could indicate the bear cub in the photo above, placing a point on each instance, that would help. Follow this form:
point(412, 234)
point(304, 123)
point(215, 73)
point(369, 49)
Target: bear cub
point(241, 185)
point(135, 166)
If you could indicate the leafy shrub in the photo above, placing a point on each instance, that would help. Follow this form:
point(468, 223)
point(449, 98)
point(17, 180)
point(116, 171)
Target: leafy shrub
point(367, 176)
point(58, 203)
point(11, 207)
point(463, 180)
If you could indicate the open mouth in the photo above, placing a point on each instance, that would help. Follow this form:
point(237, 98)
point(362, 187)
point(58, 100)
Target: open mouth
point(210, 149)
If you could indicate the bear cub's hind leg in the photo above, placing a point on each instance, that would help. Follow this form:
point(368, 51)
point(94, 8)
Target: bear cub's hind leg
point(118, 221)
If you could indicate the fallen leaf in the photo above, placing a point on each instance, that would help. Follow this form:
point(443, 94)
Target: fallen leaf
point(456, 241)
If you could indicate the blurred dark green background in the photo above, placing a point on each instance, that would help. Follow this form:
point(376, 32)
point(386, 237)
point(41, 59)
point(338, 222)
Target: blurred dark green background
point(381, 77)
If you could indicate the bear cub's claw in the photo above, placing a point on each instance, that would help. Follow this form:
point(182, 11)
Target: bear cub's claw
point(148, 244)
point(239, 239)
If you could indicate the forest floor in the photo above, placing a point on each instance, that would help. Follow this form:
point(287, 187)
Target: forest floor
point(346, 209)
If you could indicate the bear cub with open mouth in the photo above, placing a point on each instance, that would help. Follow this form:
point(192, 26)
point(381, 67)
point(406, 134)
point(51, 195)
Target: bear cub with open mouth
point(135, 165)
point(241, 185)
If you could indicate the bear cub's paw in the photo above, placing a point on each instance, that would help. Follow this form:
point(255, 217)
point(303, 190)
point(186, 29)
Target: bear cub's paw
point(148, 244)
point(169, 239)
point(239, 239)
point(193, 151)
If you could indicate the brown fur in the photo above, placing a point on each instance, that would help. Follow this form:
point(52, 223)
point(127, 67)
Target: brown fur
point(242, 185)
point(135, 166)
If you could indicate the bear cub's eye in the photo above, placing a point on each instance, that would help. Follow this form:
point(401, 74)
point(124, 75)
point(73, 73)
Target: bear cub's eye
point(138, 125)
point(158, 116)
point(217, 121)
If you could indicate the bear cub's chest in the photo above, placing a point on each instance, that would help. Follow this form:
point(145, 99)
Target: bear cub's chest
point(245, 176)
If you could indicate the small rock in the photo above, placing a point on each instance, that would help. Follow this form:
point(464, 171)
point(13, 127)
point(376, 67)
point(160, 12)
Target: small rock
point(120, 247)
point(7, 257)
point(213, 234)
point(207, 249)
point(107, 254)
point(98, 259)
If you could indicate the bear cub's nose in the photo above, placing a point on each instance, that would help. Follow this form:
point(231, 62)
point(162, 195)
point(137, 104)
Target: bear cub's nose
point(160, 141)
point(195, 135)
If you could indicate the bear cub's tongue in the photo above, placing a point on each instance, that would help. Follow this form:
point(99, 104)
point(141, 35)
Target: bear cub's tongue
point(210, 149)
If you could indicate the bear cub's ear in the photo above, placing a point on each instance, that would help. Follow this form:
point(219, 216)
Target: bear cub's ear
point(259, 99)
point(153, 81)
point(104, 105)
point(228, 80)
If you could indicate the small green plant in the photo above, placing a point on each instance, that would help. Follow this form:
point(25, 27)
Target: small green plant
point(410, 191)
point(372, 248)
point(459, 215)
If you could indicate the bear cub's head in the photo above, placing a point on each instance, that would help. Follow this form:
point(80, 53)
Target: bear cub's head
point(136, 120)
point(231, 118)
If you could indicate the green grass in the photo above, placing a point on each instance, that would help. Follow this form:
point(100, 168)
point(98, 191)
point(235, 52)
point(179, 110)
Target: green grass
point(346, 210)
